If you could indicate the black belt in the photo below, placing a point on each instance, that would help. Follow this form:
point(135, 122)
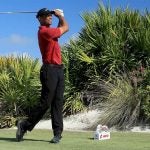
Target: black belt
point(54, 65)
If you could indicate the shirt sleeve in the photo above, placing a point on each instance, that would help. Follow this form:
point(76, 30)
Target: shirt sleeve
point(52, 33)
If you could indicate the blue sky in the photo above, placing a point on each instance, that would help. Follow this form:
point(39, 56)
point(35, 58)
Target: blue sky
point(18, 32)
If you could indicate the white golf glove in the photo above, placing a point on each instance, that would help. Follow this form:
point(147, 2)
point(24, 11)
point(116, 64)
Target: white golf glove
point(61, 11)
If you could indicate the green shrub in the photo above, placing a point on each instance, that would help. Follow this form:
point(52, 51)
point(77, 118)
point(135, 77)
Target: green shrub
point(19, 83)
point(113, 42)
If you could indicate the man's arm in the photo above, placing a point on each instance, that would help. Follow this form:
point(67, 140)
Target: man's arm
point(62, 24)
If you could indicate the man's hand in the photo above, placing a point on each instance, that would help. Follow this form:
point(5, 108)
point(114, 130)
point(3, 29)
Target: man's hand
point(62, 24)
point(58, 13)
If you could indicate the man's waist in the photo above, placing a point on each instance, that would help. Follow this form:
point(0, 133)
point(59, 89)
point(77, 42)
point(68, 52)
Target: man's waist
point(53, 65)
point(52, 61)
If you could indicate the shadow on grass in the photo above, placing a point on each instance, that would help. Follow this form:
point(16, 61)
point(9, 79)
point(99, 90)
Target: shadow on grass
point(36, 140)
point(14, 140)
point(8, 139)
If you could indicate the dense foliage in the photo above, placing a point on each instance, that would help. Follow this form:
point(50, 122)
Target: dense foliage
point(110, 43)
point(106, 67)
point(19, 85)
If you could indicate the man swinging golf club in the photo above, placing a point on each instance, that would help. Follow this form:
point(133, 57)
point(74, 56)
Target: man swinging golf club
point(51, 76)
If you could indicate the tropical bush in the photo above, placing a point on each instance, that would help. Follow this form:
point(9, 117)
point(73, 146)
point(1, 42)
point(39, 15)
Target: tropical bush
point(146, 94)
point(72, 98)
point(73, 102)
point(7, 122)
point(19, 84)
point(121, 102)
point(110, 43)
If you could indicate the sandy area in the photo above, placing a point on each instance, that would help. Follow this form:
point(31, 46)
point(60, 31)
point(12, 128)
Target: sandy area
point(75, 122)
point(80, 122)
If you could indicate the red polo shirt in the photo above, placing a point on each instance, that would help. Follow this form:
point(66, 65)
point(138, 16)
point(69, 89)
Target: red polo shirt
point(48, 43)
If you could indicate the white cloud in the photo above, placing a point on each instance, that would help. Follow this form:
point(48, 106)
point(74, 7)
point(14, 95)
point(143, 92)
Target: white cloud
point(16, 39)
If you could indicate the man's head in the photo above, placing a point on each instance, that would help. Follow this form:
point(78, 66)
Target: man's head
point(45, 16)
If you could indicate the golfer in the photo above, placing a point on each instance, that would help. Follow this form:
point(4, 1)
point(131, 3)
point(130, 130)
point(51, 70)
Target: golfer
point(51, 76)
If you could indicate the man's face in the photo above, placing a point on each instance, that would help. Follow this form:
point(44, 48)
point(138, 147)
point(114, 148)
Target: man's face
point(45, 20)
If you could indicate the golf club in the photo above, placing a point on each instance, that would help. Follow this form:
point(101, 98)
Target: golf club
point(16, 12)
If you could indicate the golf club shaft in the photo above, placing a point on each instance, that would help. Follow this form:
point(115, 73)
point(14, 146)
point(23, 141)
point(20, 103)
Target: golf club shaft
point(16, 12)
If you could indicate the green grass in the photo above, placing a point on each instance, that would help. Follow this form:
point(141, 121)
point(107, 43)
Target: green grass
point(39, 140)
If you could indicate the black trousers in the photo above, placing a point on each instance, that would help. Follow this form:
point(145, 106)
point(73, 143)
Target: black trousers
point(52, 80)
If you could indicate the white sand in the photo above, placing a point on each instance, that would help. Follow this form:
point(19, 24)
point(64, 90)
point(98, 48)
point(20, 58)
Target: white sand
point(82, 121)
point(74, 122)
